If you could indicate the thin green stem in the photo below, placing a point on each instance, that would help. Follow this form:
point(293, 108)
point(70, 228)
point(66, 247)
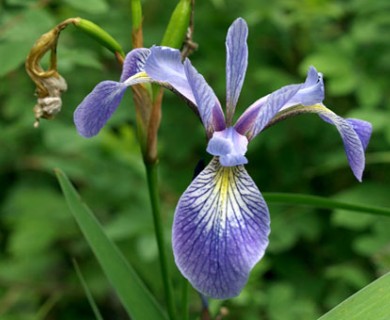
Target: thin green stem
point(152, 179)
point(136, 14)
point(325, 203)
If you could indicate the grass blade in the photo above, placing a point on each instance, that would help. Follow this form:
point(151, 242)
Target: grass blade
point(372, 302)
point(322, 202)
point(135, 297)
point(88, 293)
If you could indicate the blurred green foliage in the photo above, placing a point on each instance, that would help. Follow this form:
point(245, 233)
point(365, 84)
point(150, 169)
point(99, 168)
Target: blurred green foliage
point(316, 258)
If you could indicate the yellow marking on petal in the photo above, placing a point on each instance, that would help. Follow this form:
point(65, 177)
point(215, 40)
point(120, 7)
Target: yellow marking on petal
point(223, 186)
point(227, 203)
point(140, 77)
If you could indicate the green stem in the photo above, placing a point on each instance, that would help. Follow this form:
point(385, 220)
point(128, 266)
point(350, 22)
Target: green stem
point(152, 179)
point(136, 14)
point(322, 202)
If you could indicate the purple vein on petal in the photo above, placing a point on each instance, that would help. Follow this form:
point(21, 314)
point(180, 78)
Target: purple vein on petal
point(97, 107)
point(208, 105)
point(236, 64)
point(363, 129)
point(354, 140)
point(220, 230)
point(164, 65)
point(256, 117)
point(261, 112)
point(134, 62)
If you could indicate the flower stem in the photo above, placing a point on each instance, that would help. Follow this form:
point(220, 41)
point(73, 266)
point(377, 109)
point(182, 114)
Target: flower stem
point(136, 16)
point(152, 179)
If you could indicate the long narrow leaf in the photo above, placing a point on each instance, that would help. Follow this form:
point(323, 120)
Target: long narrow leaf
point(88, 292)
point(372, 302)
point(324, 203)
point(137, 300)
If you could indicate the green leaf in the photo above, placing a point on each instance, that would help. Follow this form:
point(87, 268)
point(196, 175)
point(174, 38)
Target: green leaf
point(136, 299)
point(372, 302)
point(88, 293)
point(324, 203)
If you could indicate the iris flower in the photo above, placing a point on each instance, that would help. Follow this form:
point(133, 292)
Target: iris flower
point(221, 224)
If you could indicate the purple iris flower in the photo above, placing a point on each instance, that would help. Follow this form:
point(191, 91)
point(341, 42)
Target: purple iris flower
point(221, 223)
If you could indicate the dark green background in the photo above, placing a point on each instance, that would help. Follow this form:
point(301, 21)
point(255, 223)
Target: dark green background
point(316, 258)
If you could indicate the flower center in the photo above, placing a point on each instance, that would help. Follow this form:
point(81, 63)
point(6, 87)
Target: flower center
point(229, 146)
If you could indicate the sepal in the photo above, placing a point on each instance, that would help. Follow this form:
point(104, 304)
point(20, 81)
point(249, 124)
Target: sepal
point(220, 230)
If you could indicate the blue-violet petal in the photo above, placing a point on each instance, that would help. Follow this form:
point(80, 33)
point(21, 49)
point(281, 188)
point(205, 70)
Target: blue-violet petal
point(220, 230)
point(363, 130)
point(134, 62)
point(208, 105)
point(97, 107)
point(311, 92)
point(256, 117)
point(262, 111)
point(165, 65)
point(229, 146)
point(354, 140)
point(236, 63)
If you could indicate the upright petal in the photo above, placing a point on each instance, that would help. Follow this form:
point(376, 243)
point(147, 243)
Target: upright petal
point(134, 63)
point(220, 230)
point(236, 64)
point(208, 105)
point(258, 115)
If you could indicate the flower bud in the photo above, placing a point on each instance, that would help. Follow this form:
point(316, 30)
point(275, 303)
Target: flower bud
point(177, 27)
point(100, 35)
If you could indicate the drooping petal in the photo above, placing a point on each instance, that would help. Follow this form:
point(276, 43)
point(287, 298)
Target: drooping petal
point(134, 63)
point(363, 130)
point(98, 106)
point(208, 105)
point(220, 230)
point(354, 141)
point(229, 146)
point(355, 133)
point(258, 115)
point(236, 64)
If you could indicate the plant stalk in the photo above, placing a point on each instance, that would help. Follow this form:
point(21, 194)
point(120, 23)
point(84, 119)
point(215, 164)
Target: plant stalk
point(152, 180)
